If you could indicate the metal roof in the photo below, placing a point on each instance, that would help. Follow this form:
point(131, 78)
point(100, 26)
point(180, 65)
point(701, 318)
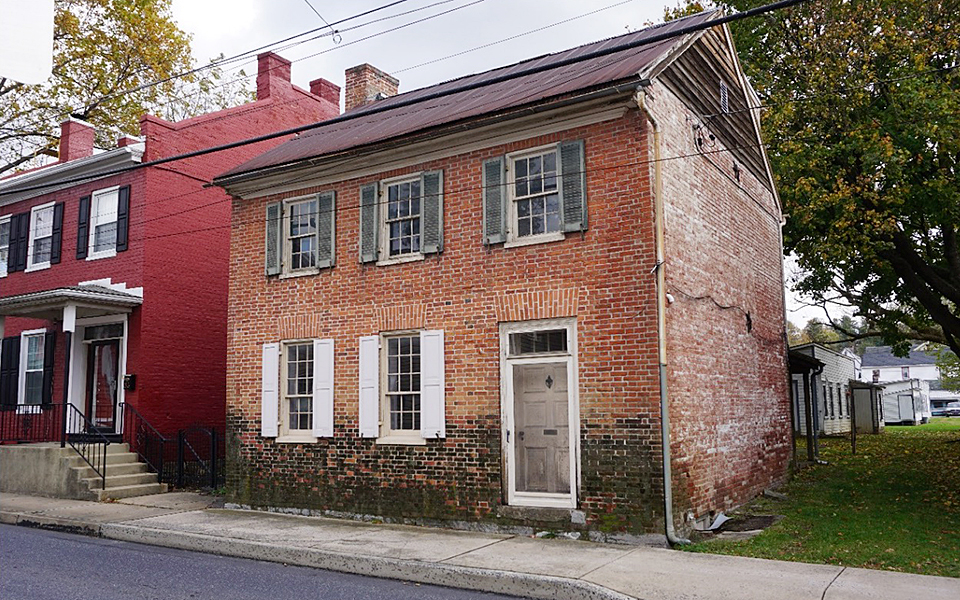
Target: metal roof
point(565, 79)
point(883, 356)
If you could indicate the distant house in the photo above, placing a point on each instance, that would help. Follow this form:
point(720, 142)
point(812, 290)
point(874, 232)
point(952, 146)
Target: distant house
point(830, 392)
point(881, 365)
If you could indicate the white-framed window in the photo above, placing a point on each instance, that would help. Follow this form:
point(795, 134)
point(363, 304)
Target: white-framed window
point(40, 246)
point(297, 389)
point(104, 206)
point(402, 218)
point(5, 226)
point(31, 367)
point(905, 372)
point(876, 375)
point(401, 390)
point(533, 184)
point(300, 235)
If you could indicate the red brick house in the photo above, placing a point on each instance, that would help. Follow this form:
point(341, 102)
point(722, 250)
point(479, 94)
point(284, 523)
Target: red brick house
point(113, 288)
point(469, 302)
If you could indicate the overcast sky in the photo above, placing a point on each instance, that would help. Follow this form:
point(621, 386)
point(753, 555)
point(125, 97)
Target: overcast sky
point(235, 26)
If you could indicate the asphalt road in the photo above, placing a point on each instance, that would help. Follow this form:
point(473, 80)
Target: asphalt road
point(41, 565)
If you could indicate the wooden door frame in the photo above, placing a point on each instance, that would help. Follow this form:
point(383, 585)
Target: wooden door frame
point(508, 426)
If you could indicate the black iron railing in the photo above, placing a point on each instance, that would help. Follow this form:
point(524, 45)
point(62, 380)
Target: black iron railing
point(88, 442)
point(26, 424)
point(144, 439)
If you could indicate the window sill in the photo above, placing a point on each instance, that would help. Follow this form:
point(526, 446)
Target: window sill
point(303, 273)
point(532, 240)
point(403, 258)
point(37, 267)
point(401, 440)
point(296, 439)
point(101, 255)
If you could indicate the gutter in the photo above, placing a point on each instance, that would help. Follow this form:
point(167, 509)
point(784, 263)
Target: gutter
point(670, 532)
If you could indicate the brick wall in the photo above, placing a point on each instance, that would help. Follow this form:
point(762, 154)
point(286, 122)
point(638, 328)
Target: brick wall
point(726, 353)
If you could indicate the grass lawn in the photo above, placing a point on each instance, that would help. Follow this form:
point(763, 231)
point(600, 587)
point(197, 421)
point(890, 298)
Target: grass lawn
point(895, 505)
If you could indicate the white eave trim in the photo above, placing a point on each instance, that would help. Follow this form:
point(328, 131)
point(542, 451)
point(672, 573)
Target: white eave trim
point(56, 296)
point(89, 166)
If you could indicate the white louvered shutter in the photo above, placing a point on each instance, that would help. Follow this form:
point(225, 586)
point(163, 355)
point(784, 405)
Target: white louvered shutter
point(270, 396)
point(323, 388)
point(370, 386)
point(432, 409)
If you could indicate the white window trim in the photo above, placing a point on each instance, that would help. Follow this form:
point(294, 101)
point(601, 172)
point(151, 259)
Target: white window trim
point(286, 272)
point(539, 499)
point(383, 239)
point(22, 372)
point(91, 255)
point(6, 267)
point(388, 436)
point(512, 240)
point(32, 266)
point(285, 434)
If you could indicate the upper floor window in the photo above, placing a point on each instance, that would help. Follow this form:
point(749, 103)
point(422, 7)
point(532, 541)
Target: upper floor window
point(401, 219)
point(4, 244)
point(103, 223)
point(905, 372)
point(876, 375)
point(40, 247)
point(535, 195)
point(300, 235)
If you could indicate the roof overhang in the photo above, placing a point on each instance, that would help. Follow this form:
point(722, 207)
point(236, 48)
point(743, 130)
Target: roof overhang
point(803, 363)
point(90, 301)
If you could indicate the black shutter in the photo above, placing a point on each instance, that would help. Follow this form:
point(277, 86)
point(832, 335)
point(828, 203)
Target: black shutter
point(19, 231)
point(57, 240)
point(9, 372)
point(49, 356)
point(123, 218)
point(13, 251)
point(83, 227)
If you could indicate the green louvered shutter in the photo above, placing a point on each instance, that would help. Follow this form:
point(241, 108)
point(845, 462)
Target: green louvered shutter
point(494, 207)
point(326, 229)
point(573, 187)
point(432, 206)
point(273, 238)
point(369, 222)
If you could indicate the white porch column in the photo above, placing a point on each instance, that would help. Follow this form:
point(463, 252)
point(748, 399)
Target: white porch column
point(69, 318)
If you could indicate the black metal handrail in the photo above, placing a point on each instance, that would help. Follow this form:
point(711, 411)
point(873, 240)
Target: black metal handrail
point(143, 439)
point(87, 441)
point(206, 469)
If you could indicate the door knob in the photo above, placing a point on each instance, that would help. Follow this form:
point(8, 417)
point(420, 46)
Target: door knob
point(520, 434)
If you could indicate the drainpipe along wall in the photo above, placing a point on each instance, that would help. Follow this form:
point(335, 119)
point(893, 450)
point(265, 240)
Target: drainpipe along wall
point(672, 537)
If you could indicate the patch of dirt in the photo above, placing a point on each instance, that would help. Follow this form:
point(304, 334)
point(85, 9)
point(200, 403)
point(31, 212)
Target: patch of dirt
point(750, 522)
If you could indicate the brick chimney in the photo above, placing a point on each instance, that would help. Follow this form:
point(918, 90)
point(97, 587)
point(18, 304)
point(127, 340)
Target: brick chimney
point(127, 140)
point(327, 90)
point(76, 139)
point(273, 75)
point(365, 84)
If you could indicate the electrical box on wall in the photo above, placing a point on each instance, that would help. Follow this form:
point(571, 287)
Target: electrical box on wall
point(130, 382)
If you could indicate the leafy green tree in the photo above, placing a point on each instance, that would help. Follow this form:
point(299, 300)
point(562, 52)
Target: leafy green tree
point(862, 122)
point(102, 48)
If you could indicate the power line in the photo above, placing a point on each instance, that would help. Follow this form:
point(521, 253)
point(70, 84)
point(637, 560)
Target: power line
point(402, 103)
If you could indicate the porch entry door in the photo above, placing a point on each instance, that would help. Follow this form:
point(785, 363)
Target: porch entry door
point(103, 368)
point(542, 441)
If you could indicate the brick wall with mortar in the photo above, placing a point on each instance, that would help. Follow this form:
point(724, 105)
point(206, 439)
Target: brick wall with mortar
point(362, 84)
point(727, 378)
point(600, 277)
point(178, 252)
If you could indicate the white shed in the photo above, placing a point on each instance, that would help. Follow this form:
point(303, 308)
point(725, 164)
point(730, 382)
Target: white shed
point(906, 402)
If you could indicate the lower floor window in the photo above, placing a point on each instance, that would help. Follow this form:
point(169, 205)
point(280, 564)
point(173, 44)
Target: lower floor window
point(403, 382)
point(33, 369)
point(298, 391)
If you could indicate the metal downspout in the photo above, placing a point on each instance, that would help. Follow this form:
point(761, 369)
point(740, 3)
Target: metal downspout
point(671, 533)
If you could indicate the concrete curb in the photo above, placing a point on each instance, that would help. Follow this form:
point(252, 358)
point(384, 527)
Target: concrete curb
point(51, 523)
point(484, 580)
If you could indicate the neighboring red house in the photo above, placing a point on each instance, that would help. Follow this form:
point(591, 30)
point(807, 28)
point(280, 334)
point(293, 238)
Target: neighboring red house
point(114, 289)
point(472, 300)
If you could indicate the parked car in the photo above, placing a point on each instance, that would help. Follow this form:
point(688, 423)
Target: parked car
point(952, 409)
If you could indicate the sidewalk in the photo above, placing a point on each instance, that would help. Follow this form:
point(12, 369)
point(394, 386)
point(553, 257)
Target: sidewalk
point(536, 568)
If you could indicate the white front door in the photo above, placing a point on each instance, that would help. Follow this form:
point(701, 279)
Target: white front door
point(540, 413)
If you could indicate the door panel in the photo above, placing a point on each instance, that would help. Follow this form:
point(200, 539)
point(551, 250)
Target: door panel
point(542, 443)
point(103, 367)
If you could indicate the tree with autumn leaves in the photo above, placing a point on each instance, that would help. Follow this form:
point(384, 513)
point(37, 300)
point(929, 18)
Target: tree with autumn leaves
point(862, 122)
point(106, 53)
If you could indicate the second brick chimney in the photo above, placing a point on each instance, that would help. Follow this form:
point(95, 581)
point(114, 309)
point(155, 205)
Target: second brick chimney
point(273, 75)
point(76, 139)
point(365, 84)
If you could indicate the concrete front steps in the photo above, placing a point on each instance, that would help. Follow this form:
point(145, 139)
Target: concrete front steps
point(125, 475)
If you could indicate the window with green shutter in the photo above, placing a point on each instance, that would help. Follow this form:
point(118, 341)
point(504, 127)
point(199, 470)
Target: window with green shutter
point(401, 218)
